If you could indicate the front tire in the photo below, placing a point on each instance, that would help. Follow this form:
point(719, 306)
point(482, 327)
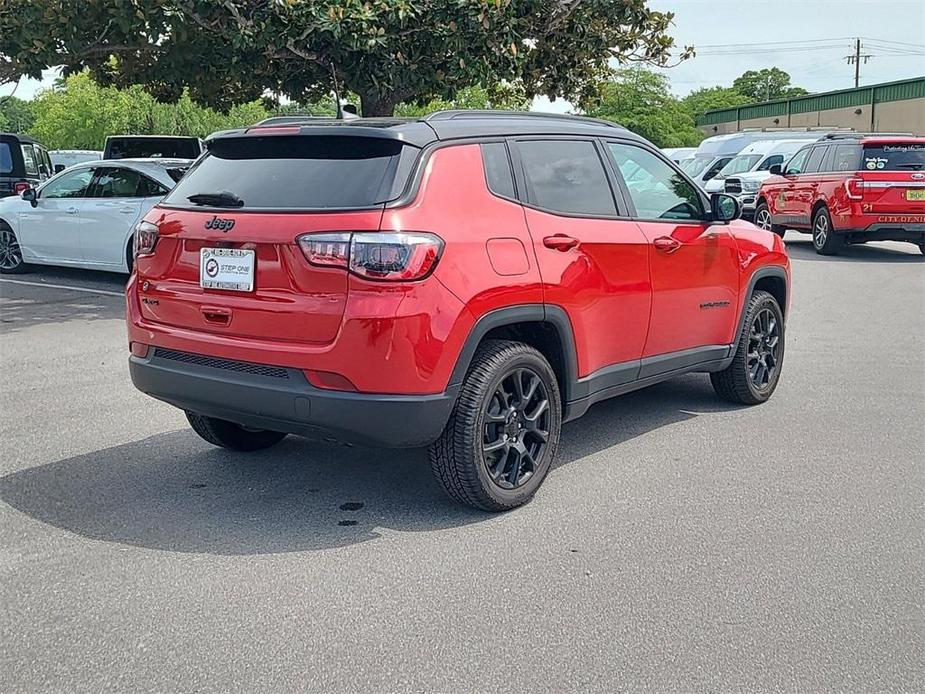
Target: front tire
point(232, 436)
point(825, 240)
point(503, 433)
point(11, 262)
point(763, 220)
point(755, 369)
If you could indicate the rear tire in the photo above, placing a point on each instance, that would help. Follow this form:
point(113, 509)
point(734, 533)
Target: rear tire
point(763, 220)
point(825, 240)
point(503, 433)
point(232, 436)
point(11, 262)
point(755, 369)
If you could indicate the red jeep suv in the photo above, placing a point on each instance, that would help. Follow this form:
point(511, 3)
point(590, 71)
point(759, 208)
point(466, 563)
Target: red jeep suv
point(467, 281)
point(849, 188)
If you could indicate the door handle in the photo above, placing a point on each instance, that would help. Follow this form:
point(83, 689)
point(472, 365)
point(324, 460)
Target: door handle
point(71, 210)
point(216, 314)
point(127, 210)
point(560, 242)
point(666, 244)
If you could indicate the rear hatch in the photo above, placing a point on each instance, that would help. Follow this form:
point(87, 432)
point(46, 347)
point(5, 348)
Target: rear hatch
point(893, 176)
point(260, 193)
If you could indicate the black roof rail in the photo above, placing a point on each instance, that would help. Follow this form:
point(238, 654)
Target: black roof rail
point(460, 114)
point(861, 136)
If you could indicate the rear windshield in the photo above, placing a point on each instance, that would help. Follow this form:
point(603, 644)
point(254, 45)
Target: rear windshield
point(6, 159)
point(898, 157)
point(143, 147)
point(295, 172)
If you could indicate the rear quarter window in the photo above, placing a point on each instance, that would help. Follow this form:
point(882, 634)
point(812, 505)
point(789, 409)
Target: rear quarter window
point(297, 172)
point(894, 157)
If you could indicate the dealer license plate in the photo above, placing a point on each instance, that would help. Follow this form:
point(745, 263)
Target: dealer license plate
point(227, 268)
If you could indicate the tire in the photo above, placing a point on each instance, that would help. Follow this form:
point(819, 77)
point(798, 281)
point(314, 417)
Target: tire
point(825, 240)
point(10, 253)
point(743, 381)
point(130, 254)
point(232, 436)
point(490, 413)
point(763, 220)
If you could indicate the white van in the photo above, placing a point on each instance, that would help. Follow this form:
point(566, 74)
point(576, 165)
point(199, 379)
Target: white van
point(758, 156)
point(717, 151)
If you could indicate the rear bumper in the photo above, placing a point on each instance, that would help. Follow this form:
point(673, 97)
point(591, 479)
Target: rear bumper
point(281, 399)
point(885, 231)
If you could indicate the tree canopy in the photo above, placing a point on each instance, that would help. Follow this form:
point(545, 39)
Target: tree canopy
point(640, 100)
point(706, 99)
point(766, 85)
point(385, 51)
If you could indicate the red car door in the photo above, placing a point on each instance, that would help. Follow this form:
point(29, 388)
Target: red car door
point(694, 264)
point(593, 264)
point(807, 186)
point(784, 196)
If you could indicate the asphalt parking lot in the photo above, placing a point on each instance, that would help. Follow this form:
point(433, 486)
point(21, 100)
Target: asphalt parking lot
point(681, 544)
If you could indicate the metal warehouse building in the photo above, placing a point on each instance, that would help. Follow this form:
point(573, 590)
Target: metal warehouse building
point(888, 107)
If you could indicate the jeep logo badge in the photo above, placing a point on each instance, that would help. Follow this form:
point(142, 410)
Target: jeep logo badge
point(220, 224)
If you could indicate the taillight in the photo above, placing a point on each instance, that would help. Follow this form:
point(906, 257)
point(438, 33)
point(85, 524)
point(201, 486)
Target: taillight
point(146, 235)
point(20, 187)
point(389, 256)
point(854, 187)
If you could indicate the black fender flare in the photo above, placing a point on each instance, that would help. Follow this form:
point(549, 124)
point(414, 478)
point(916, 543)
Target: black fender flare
point(523, 313)
point(762, 272)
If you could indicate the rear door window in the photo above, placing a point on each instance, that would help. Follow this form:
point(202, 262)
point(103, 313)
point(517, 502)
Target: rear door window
point(814, 163)
point(894, 157)
point(566, 176)
point(297, 172)
point(116, 183)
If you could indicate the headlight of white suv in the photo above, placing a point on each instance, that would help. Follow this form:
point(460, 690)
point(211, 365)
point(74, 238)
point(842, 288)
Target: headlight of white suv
point(751, 186)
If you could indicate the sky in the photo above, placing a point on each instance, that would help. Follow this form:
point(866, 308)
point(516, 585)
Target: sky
point(807, 38)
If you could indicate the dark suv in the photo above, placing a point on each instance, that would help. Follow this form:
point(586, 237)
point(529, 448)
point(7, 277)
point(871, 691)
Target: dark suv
point(468, 282)
point(24, 163)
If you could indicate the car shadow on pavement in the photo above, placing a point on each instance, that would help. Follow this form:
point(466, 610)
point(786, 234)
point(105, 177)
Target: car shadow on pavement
point(802, 249)
point(173, 492)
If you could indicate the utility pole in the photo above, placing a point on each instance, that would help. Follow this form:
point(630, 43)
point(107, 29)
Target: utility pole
point(855, 59)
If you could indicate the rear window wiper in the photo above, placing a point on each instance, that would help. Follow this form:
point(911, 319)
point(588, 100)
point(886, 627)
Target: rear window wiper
point(221, 199)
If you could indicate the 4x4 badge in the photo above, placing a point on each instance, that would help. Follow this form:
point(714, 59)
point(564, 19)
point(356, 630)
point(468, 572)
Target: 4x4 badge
point(220, 224)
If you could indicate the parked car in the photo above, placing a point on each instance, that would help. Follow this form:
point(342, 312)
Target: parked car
point(848, 189)
point(63, 158)
point(23, 163)
point(679, 154)
point(84, 216)
point(467, 282)
point(151, 146)
point(716, 152)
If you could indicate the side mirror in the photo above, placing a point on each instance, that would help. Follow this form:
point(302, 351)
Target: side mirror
point(29, 194)
point(776, 170)
point(59, 168)
point(724, 207)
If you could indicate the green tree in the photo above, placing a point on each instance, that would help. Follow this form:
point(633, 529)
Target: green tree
point(766, 85)
point(15, 114)
point(385, 51)
point(80, 113)
point(706, 99)
point(506, 97)
point(639, 100)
